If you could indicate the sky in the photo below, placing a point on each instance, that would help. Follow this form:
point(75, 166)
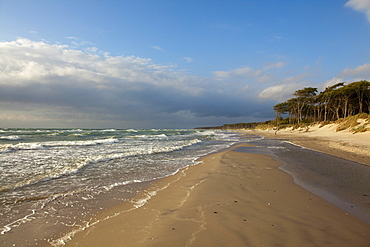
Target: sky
point(171, 63)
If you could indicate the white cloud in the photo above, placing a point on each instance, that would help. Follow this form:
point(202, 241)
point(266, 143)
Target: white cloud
point(361, 6)
point(274, 92)
point(92, 49)
point(188, 59)
point(262, 75)
point(25, 60)
point(280, 92)
point(79, 42)
point(284, 89)
point(331, 82)
point(361, 71)
point(239, 72)
point(277, 65)
point(158, 48)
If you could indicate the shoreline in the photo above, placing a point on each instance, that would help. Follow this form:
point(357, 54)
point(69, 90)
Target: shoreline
point(231, 199)
point(343, 144)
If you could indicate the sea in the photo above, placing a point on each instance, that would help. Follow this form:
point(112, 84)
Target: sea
point(52, 179)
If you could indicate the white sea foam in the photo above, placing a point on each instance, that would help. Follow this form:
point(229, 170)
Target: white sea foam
point(161, 135)
point(10, 138)
point(81, 143)
point(206, 132)
point(47, 175)
point(16, 223)
point(20, 146)
point(143, 149)
point(150, 136)
point(109, 187)
point(44, 145)
point(131, 130)
point(73, 167)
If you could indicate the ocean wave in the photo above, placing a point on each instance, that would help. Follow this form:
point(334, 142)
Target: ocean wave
point(78, 164)
point(205, 132)
point(81, 143)
point(45, 145)
point(20, 146)
point(10, 138)
point(227, 137)
point(150, 136)
point(143, 150)
point(108, 130)
point(71, 168)
point(138, 150)
point(131, 130)
point(74, 130)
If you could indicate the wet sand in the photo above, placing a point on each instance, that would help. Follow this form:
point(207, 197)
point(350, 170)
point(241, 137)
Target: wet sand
point(343, 144)
point(234, 198)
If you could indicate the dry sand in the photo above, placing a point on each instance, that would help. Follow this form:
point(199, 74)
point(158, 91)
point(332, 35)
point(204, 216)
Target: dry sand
point(232, 199)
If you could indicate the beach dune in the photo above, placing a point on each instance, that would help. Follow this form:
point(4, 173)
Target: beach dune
point(231, 199)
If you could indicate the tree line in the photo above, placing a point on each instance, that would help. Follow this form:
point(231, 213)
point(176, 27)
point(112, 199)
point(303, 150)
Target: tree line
point(338, 101)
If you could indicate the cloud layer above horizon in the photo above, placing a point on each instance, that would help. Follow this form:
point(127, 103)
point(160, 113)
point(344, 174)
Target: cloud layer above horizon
point(38, 78)
point(52, 82)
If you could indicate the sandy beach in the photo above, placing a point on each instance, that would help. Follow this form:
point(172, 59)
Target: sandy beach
point(232, 199)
